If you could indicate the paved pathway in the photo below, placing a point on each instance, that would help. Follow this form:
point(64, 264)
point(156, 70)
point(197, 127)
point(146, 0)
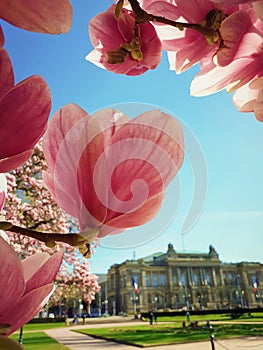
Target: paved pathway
point(78, 341)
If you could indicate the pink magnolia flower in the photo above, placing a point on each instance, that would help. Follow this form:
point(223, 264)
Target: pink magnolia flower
point(3, 190)
point(249, 98)
point(115, 48)
point(246, 66)
point(24, 111)
point(43, 16)
point(108, 171)
point(225, 24)
point(26, 285)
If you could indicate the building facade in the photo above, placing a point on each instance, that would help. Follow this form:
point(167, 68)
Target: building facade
point(181, 280)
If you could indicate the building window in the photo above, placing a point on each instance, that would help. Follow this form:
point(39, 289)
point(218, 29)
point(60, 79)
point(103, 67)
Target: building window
point(208, 277)
point(218, 277)
point(175, 277)
point(230, 277)
point(154, 280)
point(196, 278)
point(147, 280)
point(162, 279)
point(183, 278)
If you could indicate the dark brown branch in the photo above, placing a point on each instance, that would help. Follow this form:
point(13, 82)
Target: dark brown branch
point(142, 16)
point(73, 239)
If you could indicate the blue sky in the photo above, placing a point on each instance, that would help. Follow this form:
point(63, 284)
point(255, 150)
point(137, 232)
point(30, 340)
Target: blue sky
point(232, 142)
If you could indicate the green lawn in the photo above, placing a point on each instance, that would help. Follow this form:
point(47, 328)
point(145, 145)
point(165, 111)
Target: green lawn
point(41, 326)
point(39, 341)
point(214, 317)
point(161, 334)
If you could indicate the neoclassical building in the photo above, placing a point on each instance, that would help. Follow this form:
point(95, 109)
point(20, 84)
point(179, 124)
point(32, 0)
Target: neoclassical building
point(179, 280)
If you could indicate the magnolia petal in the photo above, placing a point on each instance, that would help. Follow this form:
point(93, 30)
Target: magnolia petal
point(9, 344)
point(26, 307)
point(63, 144)
point(232, 2)
point(211, 80)
point(244, 98)
point(151, 46)
point(95, 57)
point(11, 277)
point(3, 190)
point(33, 263)
point(232, 30)
point(109, 230)
point(258, 109)
point(59, 125)
point(164, 9)
point(189, 55)
point(258, 7)
point(6, 73)
point(4, 236)
point(61, 196)
point(162, 130)
point(98, 135)
point(141, 216)
point(43, 16)
point(103, 30)
point(257, 85)
point(43, 272)
point(14, 162)
point(2, 200)
point(146, 154)
point(2, 38)
point(95, 207)
point(25, 107)
point(125, 25)
point(194, 11)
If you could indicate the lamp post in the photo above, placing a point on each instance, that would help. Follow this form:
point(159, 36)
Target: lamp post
point(99, 307)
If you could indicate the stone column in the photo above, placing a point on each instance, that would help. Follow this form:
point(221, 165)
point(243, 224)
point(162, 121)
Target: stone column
point(179, 277)
point(143, 279)
point(214, 277)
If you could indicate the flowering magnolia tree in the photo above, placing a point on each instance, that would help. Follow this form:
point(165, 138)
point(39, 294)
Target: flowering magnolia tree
point(29, 204)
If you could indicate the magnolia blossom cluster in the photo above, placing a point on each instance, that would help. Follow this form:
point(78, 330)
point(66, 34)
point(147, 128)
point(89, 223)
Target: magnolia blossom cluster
point(75, 280)
point(224, 36)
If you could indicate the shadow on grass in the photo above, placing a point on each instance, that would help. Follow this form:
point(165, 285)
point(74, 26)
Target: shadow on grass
point(143, 336)
point(39, 341)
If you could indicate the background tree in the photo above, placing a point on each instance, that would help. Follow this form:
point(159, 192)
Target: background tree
point(29, 204)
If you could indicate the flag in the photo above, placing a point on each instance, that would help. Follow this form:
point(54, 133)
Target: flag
point(135, 285)
point(255, 285)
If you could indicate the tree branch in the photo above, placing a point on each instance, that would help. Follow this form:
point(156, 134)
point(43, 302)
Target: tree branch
point(50, 239)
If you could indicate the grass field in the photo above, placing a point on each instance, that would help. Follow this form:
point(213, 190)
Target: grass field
point(254, 317)
point(39, 341)
point(161, 334)
point(42, 326)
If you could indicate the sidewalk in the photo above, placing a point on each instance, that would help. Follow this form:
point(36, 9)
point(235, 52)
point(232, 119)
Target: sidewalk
point(77, 341)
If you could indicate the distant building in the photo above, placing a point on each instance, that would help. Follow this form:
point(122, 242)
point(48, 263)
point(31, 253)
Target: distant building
point(181, 280)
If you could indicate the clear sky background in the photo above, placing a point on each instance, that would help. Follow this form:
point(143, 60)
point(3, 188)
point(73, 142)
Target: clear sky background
point(232, 142)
